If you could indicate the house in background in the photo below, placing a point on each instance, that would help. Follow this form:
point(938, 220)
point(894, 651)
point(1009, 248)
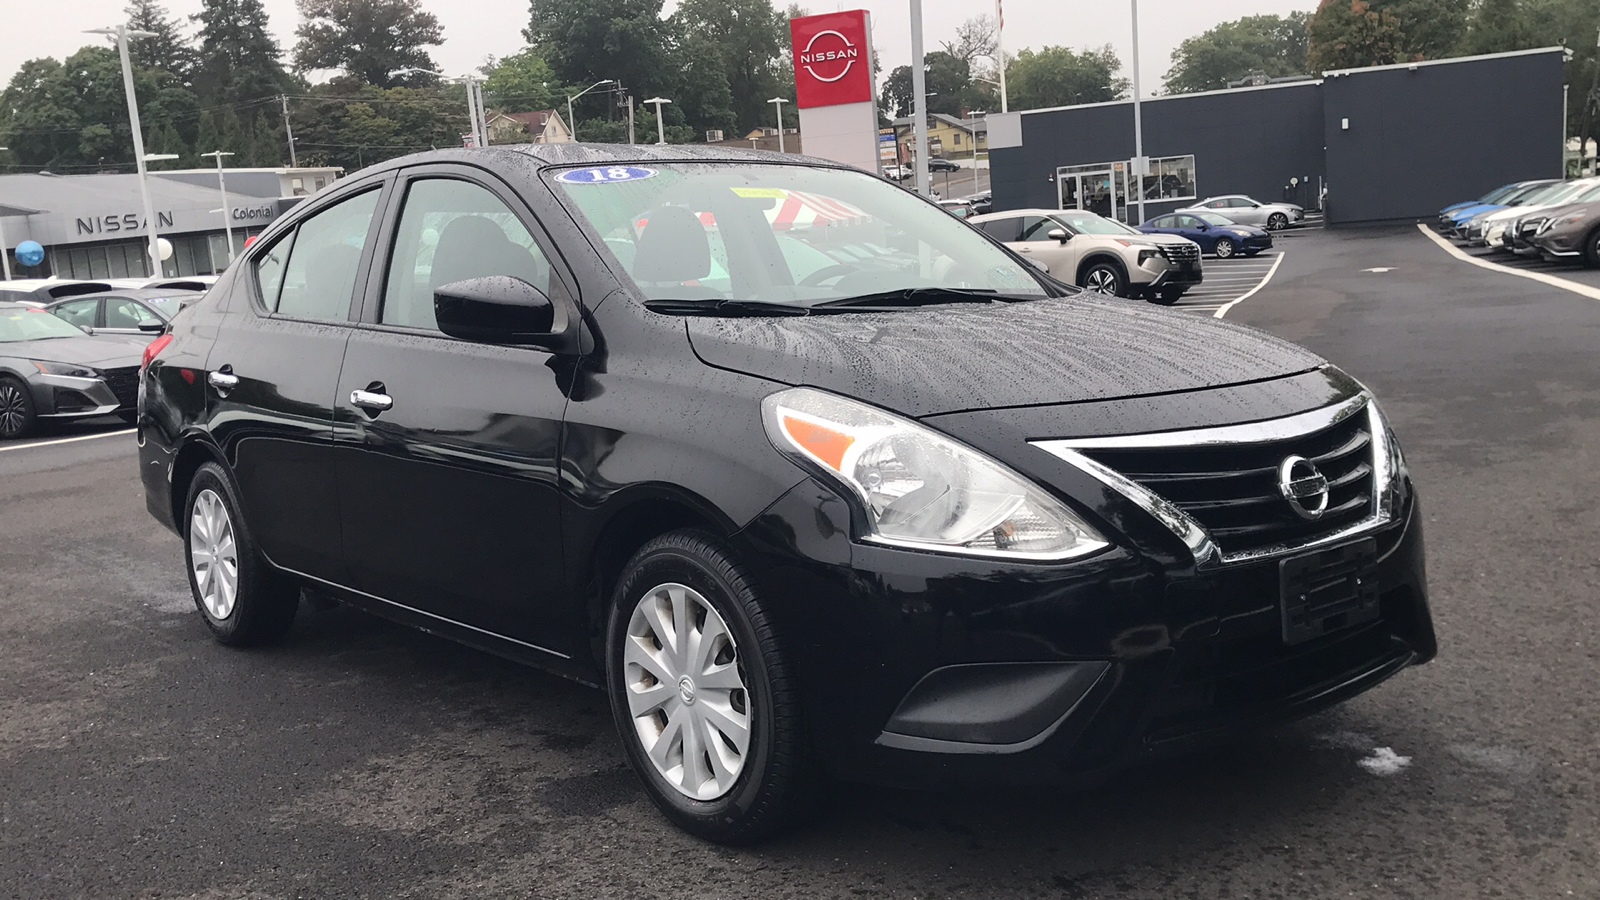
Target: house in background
point(542, 127)
point(948, 136)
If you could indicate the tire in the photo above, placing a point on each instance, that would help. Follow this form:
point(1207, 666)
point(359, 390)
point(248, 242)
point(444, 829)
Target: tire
point(1277, 222)
point(1226, 248)
point(263, 603)
point(17, 414)
point(1591, 249)
point(747, 793)
point(1167, 296)
point(1104, 278)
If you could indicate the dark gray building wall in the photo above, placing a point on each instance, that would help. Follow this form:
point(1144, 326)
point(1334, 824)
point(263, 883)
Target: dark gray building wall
point(1250, 141)
point(1421, 139)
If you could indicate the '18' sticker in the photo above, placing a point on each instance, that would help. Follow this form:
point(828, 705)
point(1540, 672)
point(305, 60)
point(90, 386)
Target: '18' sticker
point(608, 175)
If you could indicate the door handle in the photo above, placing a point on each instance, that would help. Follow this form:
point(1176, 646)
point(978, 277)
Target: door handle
point(223, 379)
point(371, 400)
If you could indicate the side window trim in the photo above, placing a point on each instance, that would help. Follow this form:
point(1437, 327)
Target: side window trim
point(370, 313)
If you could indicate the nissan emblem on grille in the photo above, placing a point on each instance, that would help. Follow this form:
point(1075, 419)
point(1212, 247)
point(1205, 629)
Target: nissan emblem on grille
point(1303, 486)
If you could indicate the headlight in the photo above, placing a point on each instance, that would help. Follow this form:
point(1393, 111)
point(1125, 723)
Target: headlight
point(55, 368)
point(1389, 461)
point(919, 488)
point(1241, 232)
point(1147, 255)
point(1576, 218)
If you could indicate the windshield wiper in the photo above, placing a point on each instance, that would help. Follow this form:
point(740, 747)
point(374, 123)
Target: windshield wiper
point(917, 296)
point(717, 306)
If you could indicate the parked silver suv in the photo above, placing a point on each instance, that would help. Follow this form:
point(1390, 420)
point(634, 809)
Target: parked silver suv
point(1097, 253)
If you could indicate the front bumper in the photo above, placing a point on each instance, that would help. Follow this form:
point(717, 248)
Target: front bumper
point(920, 668)
point(66, 397)
point(1560, 244)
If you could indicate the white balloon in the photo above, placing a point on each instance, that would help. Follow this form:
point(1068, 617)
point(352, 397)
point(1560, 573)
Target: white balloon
point(164, 247)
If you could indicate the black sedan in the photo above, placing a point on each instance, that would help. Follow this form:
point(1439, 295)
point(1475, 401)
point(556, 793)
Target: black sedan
point(912, 513)
point(132, 312)
point(52, 370)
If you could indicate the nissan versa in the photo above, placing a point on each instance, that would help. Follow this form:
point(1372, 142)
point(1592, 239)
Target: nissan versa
point(812, 477)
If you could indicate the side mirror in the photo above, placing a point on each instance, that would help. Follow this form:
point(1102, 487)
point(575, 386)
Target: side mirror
point(86, 329)
point(1058, 234)
point(1205, 226)
point(152, 326)
point(499, 309)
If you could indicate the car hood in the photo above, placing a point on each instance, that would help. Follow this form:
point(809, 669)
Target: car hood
point(95, 351)
point(943, 359)
point(1462, 215)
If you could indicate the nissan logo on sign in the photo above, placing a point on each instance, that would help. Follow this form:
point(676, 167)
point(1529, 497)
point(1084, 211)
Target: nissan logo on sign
point(829, 56)
point(832, 59)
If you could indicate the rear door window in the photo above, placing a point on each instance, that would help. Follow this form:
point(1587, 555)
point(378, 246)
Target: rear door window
point(320, 276)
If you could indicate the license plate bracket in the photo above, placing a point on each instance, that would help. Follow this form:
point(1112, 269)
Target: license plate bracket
point(1328, 590)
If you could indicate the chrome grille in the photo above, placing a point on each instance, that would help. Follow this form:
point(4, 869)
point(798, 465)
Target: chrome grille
point(1233, 492)
point(1181, 253)
point(124, 384)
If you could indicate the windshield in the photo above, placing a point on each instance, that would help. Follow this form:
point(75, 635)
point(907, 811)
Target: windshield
point(1525, 195)
point(1085, 222)
point(1561, 193)
point(1212, 218)
point(792, 235)
point(33, 325)
point(1495, 195)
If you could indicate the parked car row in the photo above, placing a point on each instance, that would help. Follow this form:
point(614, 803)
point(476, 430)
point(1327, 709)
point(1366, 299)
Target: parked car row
point(1097, 253)
point(1549, 218)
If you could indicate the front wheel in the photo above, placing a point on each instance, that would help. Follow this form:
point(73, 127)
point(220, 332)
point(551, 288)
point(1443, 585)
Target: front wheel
point(244, 602)
point(17, 415)
point(1226, 248)
point(1104, 278)
point(1277, 222)
point(1591, 257)
point(702, 694)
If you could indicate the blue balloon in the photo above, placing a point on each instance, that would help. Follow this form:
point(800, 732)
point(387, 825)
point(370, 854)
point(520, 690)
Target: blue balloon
point(30, 254)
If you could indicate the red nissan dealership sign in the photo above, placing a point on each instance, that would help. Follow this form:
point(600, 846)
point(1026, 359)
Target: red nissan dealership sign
point(832, 59)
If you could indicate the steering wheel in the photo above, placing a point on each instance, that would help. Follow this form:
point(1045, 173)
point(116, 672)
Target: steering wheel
point(838, 270)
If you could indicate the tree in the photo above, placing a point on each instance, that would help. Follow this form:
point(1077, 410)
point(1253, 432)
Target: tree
point(238, 58)
point(348, 123)
point(949, 84)
point(522, 82)
point(976, 38)
point(1498, 26)
point(373, 40)
point(585, 41)
point(1058, 76)
point(1275, 45)
point(1347, 34)
point(169, 50)
point(748, 37)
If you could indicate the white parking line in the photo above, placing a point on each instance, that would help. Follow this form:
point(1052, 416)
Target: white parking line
point(70, 440)
point(1223, 311)
point(1581, 290)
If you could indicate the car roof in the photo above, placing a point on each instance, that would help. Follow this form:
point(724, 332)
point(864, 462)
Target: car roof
point(135, 293)
point(1036, 211)
point(575, 154)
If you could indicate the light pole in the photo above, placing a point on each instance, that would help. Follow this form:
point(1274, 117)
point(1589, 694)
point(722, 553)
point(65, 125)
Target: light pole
point(572, 124)
point(661, 123)
point(919, 100)
point(5, 256)
point(122, 34)
point(779, 102)
point(478, 122)
point(1140, 164)
point(1000, 49)
point(222, 185)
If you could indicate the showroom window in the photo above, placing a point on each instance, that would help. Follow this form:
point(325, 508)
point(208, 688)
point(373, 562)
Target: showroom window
point(1170, 178)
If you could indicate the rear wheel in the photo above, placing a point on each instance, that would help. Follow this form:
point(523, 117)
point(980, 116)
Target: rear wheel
point(17, 416)
point(1277, 222)
point(704, 699)
point(243, 601)
point(1226, 248)
point(1104, 278)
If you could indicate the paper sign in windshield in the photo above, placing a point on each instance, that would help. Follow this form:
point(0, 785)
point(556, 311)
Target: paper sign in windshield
point(608, 175)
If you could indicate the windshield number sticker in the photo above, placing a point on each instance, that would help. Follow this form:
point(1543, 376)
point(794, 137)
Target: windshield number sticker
point(608, 175)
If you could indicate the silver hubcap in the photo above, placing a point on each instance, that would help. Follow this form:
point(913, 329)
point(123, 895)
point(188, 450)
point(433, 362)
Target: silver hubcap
point(687, 697)
point(1277, 222)
point(1224, 249)
point(1102, 281)
point(213, 554)
point(13, 410)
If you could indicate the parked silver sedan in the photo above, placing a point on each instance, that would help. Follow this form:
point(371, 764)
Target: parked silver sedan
point(1245, 211)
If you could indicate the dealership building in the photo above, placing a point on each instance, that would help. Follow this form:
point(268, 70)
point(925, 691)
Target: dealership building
point(1368, 145)
point(92, 226)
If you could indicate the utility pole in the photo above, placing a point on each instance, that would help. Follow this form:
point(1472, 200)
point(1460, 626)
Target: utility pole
point(1000, 51)
point(919, 100)
point(288, 130)
point(661, 121)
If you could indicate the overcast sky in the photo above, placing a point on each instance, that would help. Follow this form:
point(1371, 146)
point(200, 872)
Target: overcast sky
point(475, 30)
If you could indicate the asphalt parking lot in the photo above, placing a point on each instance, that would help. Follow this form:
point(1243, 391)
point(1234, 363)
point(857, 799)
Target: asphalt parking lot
point(140, 759)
